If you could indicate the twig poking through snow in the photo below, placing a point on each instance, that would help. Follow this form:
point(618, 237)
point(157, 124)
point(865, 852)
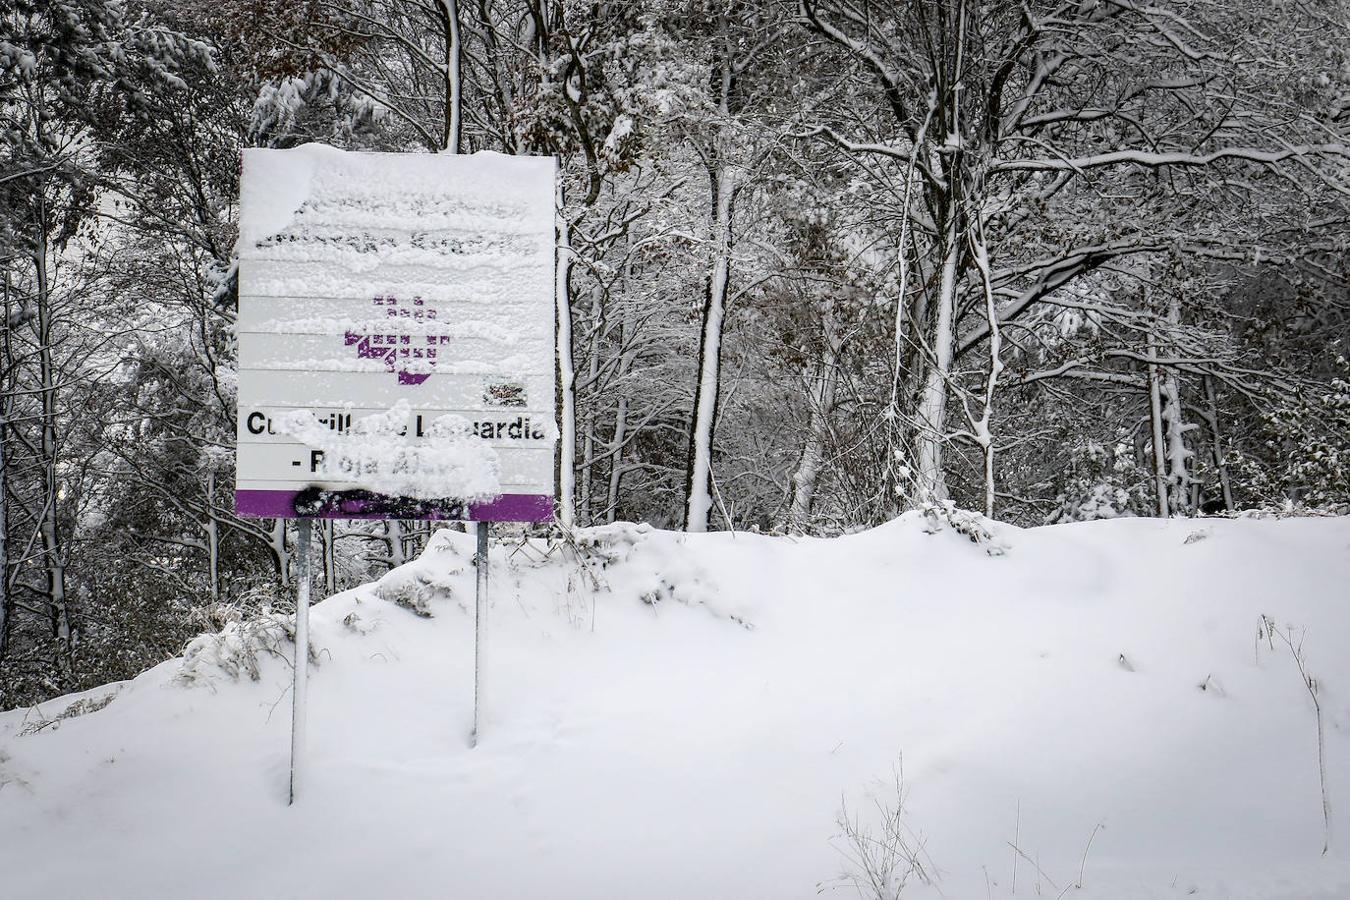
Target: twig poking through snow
point(1083, 863)
point(880, 864)
point(1039, 870)
point(1309, 682)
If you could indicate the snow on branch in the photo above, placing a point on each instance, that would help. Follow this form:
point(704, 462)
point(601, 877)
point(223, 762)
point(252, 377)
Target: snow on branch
point(1158, 160)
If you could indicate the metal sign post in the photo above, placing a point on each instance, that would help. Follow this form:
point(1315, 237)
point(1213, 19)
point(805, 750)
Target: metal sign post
point(480, 561)
point(301, 667)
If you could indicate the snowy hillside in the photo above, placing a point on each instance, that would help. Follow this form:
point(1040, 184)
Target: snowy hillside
point(677, 716)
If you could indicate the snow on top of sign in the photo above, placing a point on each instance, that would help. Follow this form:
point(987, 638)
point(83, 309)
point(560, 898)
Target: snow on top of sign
point(271, 193)
point(375, 455)
point(377, 247)
point(316, 221)
point(396, 192)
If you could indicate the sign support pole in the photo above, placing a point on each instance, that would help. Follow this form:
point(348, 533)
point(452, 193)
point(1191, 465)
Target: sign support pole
point(480, 561)
point(301, 667)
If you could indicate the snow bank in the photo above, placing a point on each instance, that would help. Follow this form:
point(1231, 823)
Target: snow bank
point(1110, 703)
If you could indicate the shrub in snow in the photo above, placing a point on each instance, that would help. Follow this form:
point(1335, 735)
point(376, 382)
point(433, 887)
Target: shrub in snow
point(880, 859)
point(605, 545)
point(1102, 481)
point(940, 515)
point(91, 702)
point(354, 623)
point(236, 648)
point(1309, 438)
point(410, 591)
point(430, 577)
point(637, 561)
point(238, 633)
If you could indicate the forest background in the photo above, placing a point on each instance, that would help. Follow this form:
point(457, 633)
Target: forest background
point(819, 262)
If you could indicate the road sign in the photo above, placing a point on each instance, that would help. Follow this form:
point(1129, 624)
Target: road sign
point(396, 335)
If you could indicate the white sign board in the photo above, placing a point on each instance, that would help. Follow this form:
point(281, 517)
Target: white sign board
point(396, 335)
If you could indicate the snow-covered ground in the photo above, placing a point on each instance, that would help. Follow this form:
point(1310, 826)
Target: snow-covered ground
point(683, 716)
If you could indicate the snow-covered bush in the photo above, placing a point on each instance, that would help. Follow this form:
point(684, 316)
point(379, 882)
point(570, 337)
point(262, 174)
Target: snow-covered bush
point(639, 562)
point(240, 633)
point(981, 531)
point(235, 650)
point(431, 577)
point(1309, 440)
point(1102, 481)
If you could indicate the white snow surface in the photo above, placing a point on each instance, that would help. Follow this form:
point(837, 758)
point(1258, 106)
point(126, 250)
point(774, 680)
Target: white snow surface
point(672, 716)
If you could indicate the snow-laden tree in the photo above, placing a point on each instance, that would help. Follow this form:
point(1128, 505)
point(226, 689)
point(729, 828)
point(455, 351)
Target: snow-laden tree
point(1047, 139)
point(70, 70)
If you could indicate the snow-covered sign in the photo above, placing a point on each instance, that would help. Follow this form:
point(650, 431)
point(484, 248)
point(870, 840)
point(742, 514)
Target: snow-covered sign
point(396, 339)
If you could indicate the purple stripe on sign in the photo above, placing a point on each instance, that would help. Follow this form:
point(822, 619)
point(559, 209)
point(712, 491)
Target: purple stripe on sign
point(514, 508)
point(506, 508)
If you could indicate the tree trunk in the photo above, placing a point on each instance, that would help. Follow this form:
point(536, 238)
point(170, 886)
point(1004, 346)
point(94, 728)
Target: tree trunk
point(931, 421)
point(588, 431)
point(281, 554)
point(49, 525)
point(699, 488)
point(983, 433)
point(452, 76)
point(393, 537)
point(1155, 420)
point(1220, 463)
point(4, 546)
point(722, 188)
point(328, 533)
point(620, 435)
point(930, 431)
point(212, 529)
point(616, 460)
point(821, 396)
point(902, 347)
point(1177, 455)
point(567, 425)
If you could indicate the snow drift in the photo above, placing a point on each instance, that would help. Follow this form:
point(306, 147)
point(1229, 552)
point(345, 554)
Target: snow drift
point(1113, 709)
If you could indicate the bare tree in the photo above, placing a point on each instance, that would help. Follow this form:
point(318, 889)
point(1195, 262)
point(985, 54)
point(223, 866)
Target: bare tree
point(1023, 118)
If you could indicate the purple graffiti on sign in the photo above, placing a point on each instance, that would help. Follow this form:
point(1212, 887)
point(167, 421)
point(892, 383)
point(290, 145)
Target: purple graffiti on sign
point(402, 353)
